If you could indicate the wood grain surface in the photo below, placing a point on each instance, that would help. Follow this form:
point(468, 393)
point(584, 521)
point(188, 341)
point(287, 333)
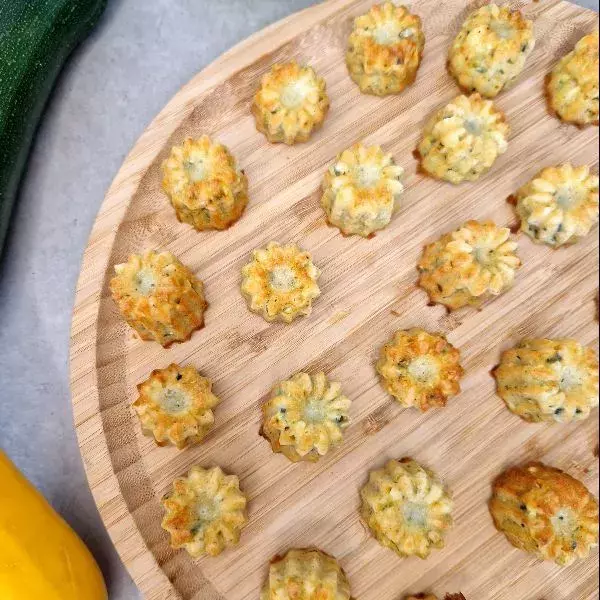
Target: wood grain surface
point(368, 292)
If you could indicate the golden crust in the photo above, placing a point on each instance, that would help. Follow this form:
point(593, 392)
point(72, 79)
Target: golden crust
point(159, 297)
point(385, 49)
point(420, 369)
point(290, 103)
point(467, 266)
point(544, 511)
point(462, 140)
point(305, 417)
point(572, 86)
point(559, 205)
point(175, 406)
point(204, 185)
point(361, 190)
point(205, 513)
point(549, 380)
point(406, 508)
point(490, 50)
point(280, 283)
point(306, 575)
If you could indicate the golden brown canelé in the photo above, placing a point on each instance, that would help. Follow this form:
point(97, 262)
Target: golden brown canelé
point(572, 86)
point(280, 282)
point(204, 184)
point(290, 104)
point(559, 205)
point(305, 416)
point(159, 297)
point(469, 265)
point(362, 190)
point(549, 380)
point(205, 512)
point(385, 49)
point(420, 369)
point(407, 508)
point(307, 574)
point(546, 512)
point(175, 405)
point(490, 50)
point(463, 139)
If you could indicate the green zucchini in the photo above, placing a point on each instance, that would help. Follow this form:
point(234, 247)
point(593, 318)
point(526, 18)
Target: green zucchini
point(36, 37)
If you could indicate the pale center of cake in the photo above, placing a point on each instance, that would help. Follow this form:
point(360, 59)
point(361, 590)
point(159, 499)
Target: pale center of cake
point(174, 401)
point(314, 410)
point(564, 522)
point(293, 94)
point(282, 279)
point(567, 196)
point(196, 169)
point(423, 369)
point(483, 254)
point(415, 514)
point(570, 378)
point(207, 509)
point(367, 176)
point(389, 33)
point(502, 29)
point(473, 125)
point(145, 282)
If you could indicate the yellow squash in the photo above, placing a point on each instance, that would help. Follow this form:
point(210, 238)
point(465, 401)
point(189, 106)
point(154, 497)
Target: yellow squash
point(40, 555)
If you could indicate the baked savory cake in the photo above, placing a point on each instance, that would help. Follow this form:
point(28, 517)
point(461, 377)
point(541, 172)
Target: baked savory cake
point(544, 511)
point(467, 266)
point(159, 297)
point(572, 86)
point(385, 49)
point(175, 406)
point(205, 187)
point(559, 205)
point(362, 190)
point(205, 513)
point(490, 50)
point(420, 369)
point(305, 575)
point(290, 103)
point(462, 140)
point(549, 380)
point(305, 416)
point(406, 508)
point(280, 282)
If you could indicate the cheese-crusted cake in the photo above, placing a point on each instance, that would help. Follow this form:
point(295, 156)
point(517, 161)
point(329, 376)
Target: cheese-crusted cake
point(159, 297)
point(290, 103)
point(205, 512)
point(385, 49)
point(362, 190)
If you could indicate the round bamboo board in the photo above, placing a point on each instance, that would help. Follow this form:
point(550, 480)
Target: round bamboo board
point(368, 292)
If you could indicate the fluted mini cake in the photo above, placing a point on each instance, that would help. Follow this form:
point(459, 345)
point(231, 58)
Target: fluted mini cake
point(490, 50)
point(406, 508)
point(559, 205)
point(420, 369)
point(385, 49)
point(467, 266)
point(361, 190)
point(175, 405)
point(572, 86)
point(462, 140)
point(290, 103)
point(305, 416)
point(305, 575)
point(280, 282)
point(205, 512)
point(159, 297)
point(546, 512)
point(549, 380)
point(205, 187)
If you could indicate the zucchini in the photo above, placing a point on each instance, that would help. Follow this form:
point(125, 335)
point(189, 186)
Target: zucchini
point(36, 37)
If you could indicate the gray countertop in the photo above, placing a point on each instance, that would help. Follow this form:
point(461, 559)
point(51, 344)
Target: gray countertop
point(139, 56)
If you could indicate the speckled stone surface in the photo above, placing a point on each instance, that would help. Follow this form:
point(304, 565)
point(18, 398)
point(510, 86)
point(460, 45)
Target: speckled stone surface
point(140, 55)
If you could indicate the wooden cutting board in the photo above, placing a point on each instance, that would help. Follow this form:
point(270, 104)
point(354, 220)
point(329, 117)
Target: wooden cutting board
point(368, 292)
